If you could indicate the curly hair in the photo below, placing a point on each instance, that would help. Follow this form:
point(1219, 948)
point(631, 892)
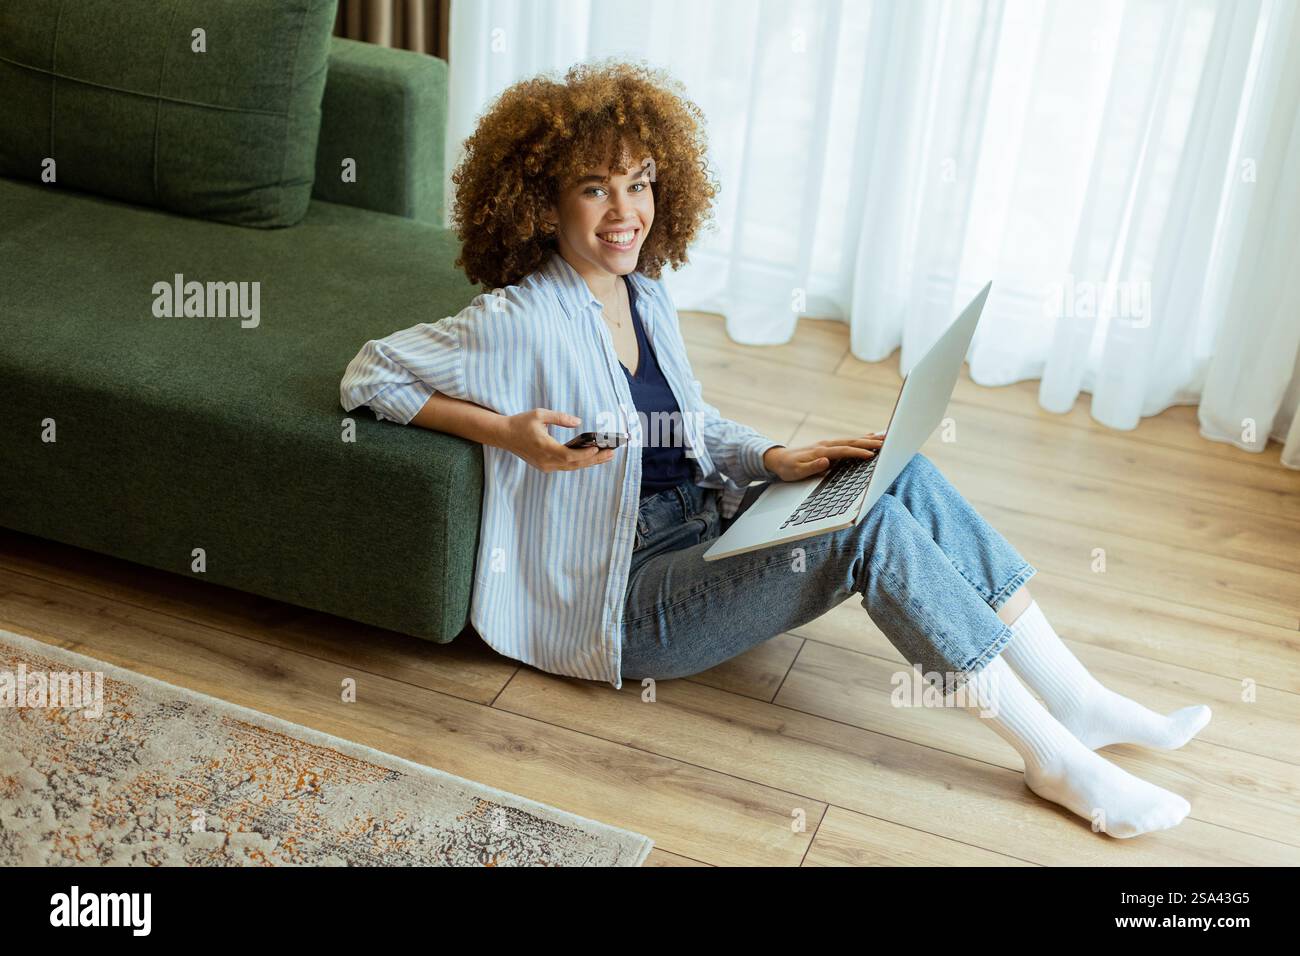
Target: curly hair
point(542, 132)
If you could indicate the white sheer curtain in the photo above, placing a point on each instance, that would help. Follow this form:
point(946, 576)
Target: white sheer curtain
point(1124, 171)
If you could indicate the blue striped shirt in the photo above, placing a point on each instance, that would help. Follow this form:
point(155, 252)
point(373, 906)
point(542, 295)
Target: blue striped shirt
point(555, 547)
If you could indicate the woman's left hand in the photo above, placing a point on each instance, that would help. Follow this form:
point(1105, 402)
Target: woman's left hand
point(793, 464)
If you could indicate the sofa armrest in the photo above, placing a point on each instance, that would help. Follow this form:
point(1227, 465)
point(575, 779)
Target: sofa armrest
point(387, 110)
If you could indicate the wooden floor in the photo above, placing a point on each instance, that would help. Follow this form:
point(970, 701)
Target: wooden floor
point(1199, 602)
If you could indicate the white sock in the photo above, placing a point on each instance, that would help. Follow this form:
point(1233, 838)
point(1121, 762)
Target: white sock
point(1093, 713)
point(1061, 769)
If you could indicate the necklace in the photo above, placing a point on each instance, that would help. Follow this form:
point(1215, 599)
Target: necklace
point(605, 316)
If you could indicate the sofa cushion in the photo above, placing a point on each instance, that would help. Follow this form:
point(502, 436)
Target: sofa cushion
point(115, 93)
point(185, 432)
point(386, 110)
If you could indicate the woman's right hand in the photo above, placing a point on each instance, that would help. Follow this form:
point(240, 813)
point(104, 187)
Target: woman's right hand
point(527, 436)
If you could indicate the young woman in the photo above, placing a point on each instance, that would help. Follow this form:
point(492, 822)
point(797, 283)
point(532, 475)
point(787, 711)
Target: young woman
point(572, 197)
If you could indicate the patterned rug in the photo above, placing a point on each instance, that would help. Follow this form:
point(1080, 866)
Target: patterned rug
point(102, 766)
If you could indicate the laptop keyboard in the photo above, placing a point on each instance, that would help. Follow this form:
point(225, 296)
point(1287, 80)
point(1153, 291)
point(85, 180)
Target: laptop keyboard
point(837, 492)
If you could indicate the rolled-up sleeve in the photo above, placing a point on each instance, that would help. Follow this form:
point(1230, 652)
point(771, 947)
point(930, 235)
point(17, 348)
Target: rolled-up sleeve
point(462, 356)
point(736, 449)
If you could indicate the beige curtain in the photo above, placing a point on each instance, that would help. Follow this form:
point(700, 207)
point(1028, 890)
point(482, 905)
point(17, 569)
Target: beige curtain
point(419, 25)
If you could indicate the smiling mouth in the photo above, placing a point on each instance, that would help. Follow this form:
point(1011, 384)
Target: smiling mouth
point(621, 240)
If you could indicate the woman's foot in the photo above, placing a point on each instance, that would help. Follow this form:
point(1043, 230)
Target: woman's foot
point(1060, 768)
point(1094, 713)
point(1114, 800)
point(1102, 717)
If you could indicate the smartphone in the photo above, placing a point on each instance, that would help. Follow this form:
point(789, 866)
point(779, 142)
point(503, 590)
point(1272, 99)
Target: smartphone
point(599, 439)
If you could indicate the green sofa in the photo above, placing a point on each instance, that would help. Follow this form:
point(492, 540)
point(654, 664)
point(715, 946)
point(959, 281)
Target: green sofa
point(184, 433)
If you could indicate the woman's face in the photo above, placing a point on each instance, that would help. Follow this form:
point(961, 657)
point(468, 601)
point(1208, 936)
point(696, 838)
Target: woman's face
point(598, 210)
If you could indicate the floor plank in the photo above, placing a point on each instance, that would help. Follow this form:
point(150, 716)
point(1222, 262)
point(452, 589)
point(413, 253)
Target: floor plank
point(845, 838)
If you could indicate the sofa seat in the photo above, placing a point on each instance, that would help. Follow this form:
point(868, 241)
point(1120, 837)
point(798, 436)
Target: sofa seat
point(196, 432)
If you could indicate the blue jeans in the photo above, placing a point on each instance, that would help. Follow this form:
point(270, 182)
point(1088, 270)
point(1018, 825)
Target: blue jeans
point(931, 571)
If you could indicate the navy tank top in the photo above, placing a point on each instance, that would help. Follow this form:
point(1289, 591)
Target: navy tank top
point(663, 455)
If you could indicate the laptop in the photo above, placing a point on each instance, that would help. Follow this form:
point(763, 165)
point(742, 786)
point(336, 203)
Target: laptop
point(841, 496)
